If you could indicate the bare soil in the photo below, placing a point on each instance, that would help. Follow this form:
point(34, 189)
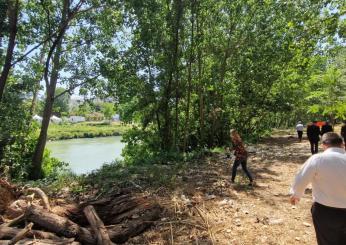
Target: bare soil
point(205, 208)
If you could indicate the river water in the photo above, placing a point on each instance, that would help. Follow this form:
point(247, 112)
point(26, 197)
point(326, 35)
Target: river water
point(86, 154)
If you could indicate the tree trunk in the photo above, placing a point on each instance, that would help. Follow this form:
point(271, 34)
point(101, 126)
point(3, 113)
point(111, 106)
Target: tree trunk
point(179, 12)
point(36, 171)
point(173, 74)
point(37, 86)
point(189, 79)
point(13, 9)
point(4, 7)
point(200, 88)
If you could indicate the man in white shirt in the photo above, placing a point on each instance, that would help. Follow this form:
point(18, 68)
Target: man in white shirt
point(300, 128)
point(327, 174)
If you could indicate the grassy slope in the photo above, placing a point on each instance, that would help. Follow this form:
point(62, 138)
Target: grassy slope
point(84, 130)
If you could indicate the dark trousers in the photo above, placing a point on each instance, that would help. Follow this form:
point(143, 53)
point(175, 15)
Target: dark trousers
point(345, 142)
point(243, 165)
point(300, 135)
point(314, 147)
point(330, 224)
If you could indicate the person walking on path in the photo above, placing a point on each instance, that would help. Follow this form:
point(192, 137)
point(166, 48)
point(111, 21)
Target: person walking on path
point(327, 174)
point(300, 128)
point(313, 132)
point(326, 128)
point(240, 156)
point(343, 133)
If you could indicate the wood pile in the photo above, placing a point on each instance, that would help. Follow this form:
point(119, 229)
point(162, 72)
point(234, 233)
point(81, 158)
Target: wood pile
point(24, 219)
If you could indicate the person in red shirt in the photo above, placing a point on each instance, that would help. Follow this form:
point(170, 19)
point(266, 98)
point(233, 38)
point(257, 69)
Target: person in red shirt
point(240, 154)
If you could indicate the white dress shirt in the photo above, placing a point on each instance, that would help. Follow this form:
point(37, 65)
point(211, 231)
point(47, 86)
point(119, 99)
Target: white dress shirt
point(327, 173)
point(300, 127)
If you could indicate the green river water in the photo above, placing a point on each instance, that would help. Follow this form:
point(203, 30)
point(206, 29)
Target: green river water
point(86, 154)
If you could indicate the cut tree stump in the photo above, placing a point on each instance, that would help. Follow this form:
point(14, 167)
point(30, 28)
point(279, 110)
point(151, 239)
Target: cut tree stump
point(97, 226)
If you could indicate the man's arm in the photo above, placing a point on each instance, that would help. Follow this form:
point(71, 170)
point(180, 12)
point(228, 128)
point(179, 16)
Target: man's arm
point(303, 178)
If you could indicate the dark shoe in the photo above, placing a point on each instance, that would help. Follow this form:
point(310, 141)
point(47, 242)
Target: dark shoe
point(251, 183)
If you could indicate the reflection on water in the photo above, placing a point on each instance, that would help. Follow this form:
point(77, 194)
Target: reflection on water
point(87, 154)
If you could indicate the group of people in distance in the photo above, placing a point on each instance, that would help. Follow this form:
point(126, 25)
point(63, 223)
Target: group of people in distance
point(314, 131)
point(325, 171)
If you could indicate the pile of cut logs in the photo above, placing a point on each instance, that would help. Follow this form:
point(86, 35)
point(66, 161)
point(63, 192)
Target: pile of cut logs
point(26, 217)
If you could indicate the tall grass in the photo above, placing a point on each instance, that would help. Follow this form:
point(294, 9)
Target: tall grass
point(85, 130)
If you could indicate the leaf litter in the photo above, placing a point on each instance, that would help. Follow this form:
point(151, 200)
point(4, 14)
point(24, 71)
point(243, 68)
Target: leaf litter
point(205, 208)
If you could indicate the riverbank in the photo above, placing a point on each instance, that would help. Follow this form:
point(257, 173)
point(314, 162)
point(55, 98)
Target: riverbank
point(85, 130)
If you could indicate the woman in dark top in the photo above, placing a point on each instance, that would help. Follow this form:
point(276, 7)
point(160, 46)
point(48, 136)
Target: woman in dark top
point(240, 156)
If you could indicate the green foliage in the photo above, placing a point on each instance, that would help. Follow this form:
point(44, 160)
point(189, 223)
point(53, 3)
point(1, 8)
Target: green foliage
point(95, 116)
point(326, 89)
point(57, 183)
point(61, 103)
point(84, 130)
point(141, 146)
point(108, 110)
point(17, 134)
point(214, 66)
point(209, 67)
point(82, 110)
point(51, 166)
point(119, 174)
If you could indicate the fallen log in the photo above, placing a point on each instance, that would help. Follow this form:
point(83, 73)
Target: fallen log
point(20, 235)
point(14, 221)
point(67, 228)
point(97, 226)
point(59, 225)
point(112, 210)
point(120, 233)
point(10, 232)
point(42, 242)
point(16, 208)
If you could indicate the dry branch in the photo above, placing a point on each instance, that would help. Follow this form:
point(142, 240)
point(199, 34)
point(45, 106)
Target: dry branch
point(97, 226)
point(42, 195)
point(10, 232)
point(14, 221)
point(21, 234)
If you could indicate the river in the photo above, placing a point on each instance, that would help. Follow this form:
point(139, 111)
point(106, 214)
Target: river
point(86, 154)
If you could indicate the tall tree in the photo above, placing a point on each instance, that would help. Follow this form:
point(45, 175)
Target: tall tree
point(51, 79)
point(13, 11)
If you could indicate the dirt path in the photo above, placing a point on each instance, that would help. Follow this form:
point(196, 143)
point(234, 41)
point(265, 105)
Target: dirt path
point(206, 209)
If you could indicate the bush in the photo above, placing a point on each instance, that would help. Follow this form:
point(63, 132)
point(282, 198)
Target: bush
point(51, 166)
point(141, 146)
